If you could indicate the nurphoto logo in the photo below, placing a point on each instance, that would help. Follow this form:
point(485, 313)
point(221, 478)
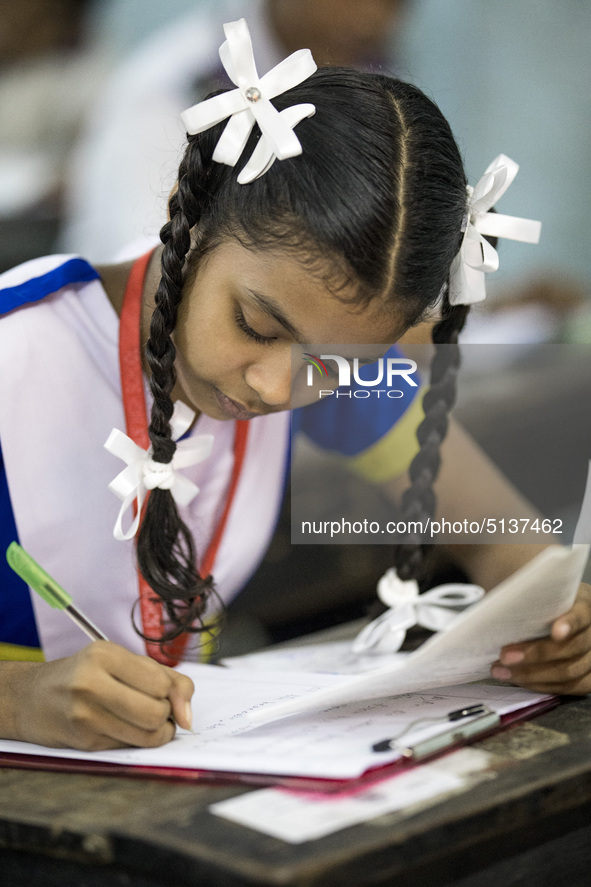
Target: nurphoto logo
point(386, 371)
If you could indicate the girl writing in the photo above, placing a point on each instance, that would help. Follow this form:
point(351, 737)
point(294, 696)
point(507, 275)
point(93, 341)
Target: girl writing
point(352, 236)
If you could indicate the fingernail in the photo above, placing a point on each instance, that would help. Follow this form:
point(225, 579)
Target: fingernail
point(501, 674)
point(189, 716)
point(561, 630)
point(512, 657)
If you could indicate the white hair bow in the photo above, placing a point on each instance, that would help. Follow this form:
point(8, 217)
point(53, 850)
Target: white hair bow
point(250, 104)
point(435, 609)
point(476, 255)
point(143, 473)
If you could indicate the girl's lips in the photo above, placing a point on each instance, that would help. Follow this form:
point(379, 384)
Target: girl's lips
point(232, 409)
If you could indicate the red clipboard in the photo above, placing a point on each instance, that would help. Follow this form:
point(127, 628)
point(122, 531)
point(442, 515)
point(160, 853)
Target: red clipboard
point(297, 783)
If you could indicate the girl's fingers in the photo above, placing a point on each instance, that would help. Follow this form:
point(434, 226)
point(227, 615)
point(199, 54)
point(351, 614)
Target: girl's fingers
point(135, 691)
point(559, 664)
point(567, 676)
point(99, 729)
point(129, 705)
point(180, 694)
point(157, 681)
point(570, 636)
point(135, 671)
point(578, 617)
point(547, 650)
point(578, 687)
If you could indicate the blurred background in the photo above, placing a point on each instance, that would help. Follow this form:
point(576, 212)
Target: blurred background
point(90, 136)
point(90, 139)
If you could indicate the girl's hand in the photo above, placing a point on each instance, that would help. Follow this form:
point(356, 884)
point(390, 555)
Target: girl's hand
point(102, 697)
point(559, 664)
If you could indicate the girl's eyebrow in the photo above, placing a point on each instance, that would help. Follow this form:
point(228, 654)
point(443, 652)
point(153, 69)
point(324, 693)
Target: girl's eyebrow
point(269, 306)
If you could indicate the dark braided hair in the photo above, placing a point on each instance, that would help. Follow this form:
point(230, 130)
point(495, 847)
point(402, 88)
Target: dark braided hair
point(378, 196)
point(418, 501)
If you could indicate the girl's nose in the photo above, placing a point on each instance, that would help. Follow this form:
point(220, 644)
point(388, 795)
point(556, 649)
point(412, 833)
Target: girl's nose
point(270, 377)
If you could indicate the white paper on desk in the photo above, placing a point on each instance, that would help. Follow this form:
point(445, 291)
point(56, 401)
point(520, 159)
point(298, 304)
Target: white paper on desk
point(336, 744)
point(520, 608)
point(330, 657)
point(296, 818)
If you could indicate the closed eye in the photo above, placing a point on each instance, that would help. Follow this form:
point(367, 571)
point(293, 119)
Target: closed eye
point(248, 330)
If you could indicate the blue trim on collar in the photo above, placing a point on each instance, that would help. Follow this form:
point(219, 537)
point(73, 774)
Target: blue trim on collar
point(72, 271)
point(17, 617)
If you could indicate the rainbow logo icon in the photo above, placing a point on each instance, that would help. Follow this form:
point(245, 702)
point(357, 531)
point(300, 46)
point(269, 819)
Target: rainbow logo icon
point(314, 361)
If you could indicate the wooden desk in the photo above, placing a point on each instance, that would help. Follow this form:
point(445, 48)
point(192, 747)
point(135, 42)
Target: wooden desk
point(527, 825)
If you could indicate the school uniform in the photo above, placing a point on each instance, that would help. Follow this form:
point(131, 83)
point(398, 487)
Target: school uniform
point(60, 396)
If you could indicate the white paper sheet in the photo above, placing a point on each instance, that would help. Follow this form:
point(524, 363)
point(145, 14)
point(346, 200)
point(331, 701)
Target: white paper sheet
point(520, 608)
point(296, 818)
point(330, 657)
point(305, 816)
point(332, 744)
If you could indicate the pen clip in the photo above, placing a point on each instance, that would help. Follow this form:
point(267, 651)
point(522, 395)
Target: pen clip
point(482, 718)
point(455, 735)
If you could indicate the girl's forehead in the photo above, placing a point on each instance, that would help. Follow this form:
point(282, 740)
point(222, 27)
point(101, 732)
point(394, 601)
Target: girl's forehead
point(314, 303)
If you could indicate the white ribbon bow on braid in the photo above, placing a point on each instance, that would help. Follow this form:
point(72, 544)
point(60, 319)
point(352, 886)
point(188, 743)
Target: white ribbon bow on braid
point(250, 104)
point(476, 255)
point(143, 473)
point(435, 609)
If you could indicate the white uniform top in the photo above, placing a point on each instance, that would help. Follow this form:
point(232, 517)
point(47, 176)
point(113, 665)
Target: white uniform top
point(61, 355)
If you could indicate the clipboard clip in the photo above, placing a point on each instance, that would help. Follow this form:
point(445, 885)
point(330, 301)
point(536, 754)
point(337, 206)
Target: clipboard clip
point(482, 719)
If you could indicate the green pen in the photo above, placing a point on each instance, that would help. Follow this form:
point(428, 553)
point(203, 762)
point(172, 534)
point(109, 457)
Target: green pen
point(35, 576)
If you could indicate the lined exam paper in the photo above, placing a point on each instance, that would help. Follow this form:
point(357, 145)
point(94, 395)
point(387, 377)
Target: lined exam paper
point(333, 744)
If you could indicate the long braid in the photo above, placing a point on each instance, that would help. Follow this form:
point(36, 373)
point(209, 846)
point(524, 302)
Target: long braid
point(419, 501)
point(166, 550)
